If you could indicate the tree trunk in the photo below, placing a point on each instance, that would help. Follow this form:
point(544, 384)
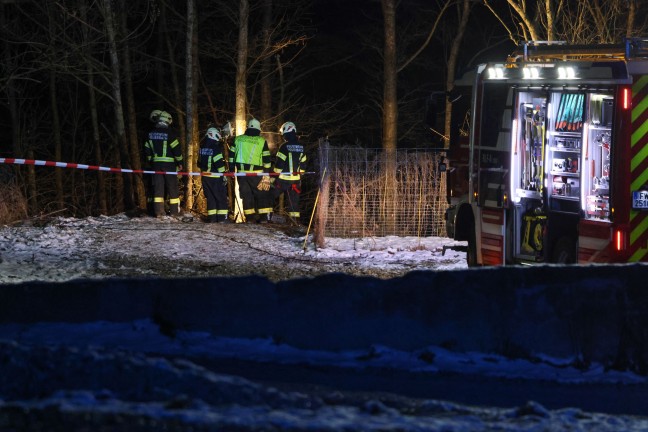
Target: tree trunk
point(175, 81)
point(96, 138)
point(56, 135)
point(241, 92)
point(241, 68)
point(191, 100)
point(390, 98)
point(14, 111)
point(550, 20)
point(452, 63)
point(390, 115)
point(56, 124)
point(632, 10)
point(102, 200)
point(266, 82)
point(122, 144)
point(464, 16)
point(31, 183)
point(133, 138)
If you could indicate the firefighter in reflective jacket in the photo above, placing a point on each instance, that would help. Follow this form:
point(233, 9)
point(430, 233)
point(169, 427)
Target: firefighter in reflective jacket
point(210, 160)
point(163, 152)
point(250, 154)
point(290, 162)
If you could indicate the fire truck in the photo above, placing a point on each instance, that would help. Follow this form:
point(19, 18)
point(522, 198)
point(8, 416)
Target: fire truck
point(556, 158)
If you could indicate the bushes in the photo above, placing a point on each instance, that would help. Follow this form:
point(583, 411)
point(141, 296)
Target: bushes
point(13, 204)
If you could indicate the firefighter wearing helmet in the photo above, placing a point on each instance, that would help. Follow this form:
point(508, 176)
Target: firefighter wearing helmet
point(290, 164)
point(163, 152)
point(250, 154)
point(211, 161)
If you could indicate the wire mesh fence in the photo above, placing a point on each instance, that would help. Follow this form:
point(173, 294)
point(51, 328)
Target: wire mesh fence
point(366, 192)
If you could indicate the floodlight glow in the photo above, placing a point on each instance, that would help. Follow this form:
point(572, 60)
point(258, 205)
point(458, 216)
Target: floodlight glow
point(495, 73)
point(530, 73)
point(567, 72)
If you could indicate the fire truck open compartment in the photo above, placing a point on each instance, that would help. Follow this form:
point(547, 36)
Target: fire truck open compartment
point(560, 169)
point(557, 159)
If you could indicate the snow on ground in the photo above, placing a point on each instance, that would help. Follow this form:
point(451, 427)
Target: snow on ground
point(67, 248)
point(129, 376)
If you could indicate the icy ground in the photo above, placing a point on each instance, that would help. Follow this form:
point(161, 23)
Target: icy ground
point(64, 249)
point(129, 376)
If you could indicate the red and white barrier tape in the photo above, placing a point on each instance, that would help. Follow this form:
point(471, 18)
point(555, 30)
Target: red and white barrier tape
point(126, 170)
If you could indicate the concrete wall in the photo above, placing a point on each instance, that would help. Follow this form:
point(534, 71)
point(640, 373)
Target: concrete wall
point(591, 314)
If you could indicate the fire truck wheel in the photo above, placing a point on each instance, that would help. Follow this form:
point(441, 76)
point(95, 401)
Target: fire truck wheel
point(564, 251)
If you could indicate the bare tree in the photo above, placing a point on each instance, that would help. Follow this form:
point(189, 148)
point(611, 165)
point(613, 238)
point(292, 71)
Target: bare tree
point(390, 71)
point(266, 69)
point(241, 67)
point(580, 21)
point(191, 83)
point(122, 142)
point(133, 139)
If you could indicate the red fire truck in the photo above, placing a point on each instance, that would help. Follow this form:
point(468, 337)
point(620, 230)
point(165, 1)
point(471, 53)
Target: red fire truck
point(557, 157)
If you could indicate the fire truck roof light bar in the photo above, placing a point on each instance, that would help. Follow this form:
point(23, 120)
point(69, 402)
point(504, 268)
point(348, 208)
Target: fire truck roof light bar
point(531, 73)
point(559, 50)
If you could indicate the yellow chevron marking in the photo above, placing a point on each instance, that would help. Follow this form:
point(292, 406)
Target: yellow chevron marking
point(638, 256)
point(639, 133)
point(641, 180)
point(640, 84)
point(638, 231)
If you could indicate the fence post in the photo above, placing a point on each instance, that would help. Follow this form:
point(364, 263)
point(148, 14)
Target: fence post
point(319, 232)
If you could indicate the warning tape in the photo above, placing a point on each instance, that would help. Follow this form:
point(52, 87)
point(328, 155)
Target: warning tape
point(132, 171)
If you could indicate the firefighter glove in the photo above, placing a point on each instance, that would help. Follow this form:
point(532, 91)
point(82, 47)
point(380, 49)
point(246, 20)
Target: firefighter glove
point(264, 184)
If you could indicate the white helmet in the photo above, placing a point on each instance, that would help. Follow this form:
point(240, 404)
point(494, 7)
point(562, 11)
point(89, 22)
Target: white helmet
point(288, 127)
point(155, 114)
point(227, 129)
point(254, 124)
point(165, 118)
point(214, 133)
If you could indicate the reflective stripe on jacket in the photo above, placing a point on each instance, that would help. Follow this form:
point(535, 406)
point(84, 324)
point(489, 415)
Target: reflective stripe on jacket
point(290, 159)
point(210, 157)
point(163, 145)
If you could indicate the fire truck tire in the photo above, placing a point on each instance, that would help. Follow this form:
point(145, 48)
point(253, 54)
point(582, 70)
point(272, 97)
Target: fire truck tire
point(564, 251)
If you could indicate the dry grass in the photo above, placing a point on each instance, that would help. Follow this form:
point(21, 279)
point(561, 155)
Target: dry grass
point(13, 205)
point(364, 200)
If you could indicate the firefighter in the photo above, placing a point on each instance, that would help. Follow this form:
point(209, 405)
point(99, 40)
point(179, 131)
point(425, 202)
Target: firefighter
point(250, 154)
point(163, 152)
point(211, 160)
point(291, 160)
